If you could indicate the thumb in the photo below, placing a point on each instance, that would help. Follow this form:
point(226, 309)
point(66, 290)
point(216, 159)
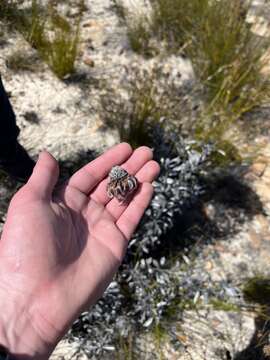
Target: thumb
point(44, 176)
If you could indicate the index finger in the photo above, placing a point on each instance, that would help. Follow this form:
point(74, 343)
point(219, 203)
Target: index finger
point(91, 174)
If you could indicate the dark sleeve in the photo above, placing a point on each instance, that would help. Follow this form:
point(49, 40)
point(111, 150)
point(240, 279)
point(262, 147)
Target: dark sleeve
point(8, 128)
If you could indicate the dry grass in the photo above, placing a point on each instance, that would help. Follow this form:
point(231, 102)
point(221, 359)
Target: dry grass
point(138, 115)
point(140, 37)
point(174, 21)
point(139, 29)
point(134, 119)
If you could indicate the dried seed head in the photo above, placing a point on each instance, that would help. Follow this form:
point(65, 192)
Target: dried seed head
point(117, 173)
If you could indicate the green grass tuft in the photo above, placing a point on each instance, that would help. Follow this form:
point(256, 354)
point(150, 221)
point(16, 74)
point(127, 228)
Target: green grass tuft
point(139, 29)
point(33, 26)
point(224, 305)
point(61, 52)
point(126, 348)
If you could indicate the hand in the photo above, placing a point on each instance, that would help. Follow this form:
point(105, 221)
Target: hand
point(59, 252)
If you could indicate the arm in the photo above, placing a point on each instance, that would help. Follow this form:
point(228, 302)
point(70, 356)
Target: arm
point(60, 249)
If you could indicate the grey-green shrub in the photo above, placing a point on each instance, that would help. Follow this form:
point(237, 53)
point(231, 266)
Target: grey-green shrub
point(143, 289)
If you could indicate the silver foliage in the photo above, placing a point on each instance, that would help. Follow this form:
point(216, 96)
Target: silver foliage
point(147, 284)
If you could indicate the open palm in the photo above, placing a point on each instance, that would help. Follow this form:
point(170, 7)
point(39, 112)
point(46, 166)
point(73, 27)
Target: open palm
point(60, 249)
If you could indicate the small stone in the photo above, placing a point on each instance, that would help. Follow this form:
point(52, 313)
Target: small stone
point(265, 256)
point(89, 62)
point(73, 12)
point(266, 174)
point(220, 248)
point(215, 323)
point(90, 23)
point(266, 351)
point(210, 211)
point(263, 190)
point(250, 177)
point(258, 168)
point(262, 223)
point(255, 239)
point(182, 338)
point(208, 266)
point(263, 158)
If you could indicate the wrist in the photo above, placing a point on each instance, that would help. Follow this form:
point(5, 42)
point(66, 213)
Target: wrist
point(18, 333)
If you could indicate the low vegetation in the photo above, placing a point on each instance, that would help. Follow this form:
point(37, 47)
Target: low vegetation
point(48, 32)
point(148, 104)
point(174, 21)
point(61, 52)
point(136, 117)
point(139, 36)
point(227, 57)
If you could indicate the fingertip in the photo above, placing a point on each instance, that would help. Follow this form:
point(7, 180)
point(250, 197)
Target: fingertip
point(147, 150)
point(125, 147)
point(155, 167)
point(43, 154)
point(48, 161)
point(126, 144)
point(45, 174)
point(48, 158)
